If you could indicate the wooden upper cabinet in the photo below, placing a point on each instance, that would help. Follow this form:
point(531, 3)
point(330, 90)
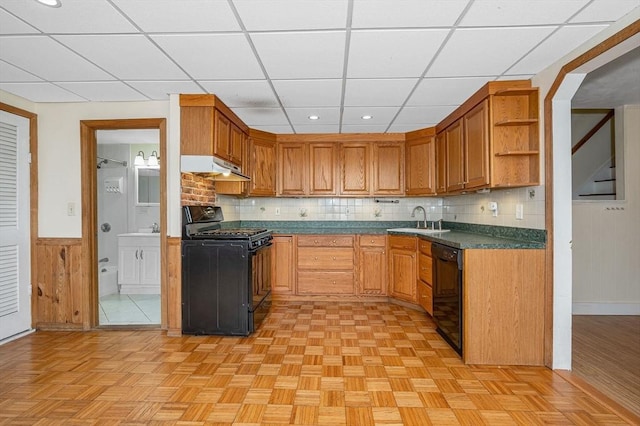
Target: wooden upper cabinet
point(420, 163)
point(441, 163)
point(355, 168)
point(292, 168)
point(322, 168)
point(237, 145)
point(455, 156)
point(262, 149)
point(476, 146)
point(222, 136)
point(388, 168)
point(196, 130)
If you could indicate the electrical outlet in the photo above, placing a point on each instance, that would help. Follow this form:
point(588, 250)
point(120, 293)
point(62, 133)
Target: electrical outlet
point(277, 211)
point(519, 212)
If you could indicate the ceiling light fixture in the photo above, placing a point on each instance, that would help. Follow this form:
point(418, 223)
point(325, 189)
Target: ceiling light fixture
point(367, 117)
point(314, 117)
point(50, 3)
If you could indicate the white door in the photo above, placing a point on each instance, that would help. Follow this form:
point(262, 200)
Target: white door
point(15, 280)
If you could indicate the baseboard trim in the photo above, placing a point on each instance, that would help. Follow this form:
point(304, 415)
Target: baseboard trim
point(605, 308)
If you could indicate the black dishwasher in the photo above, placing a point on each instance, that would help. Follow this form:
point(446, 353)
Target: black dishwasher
point(447, 293)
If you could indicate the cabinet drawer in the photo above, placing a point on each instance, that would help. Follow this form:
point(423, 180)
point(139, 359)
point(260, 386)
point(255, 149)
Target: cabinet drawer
point(425, 268)
point(425, 247)
point(372, 240)
point(325, 258)
point(425, 297)
point(325, 283)
point(402, 242)
point(325, 241)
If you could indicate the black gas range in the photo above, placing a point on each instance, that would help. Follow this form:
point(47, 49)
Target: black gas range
point(226, 274)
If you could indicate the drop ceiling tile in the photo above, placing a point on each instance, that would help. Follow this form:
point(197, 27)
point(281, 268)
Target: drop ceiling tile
point(485, 52)
point(212, 56)
point(515, 77)
point(75, 16)
point(445, 91)
point(41, 92)
point(262, 116)
point(301, 55)
point(160, 90)
point(9, 73)
point(424, 114)
point(246, 93)
point(605, 10)
point(309, 93)
point(128, 57)
point(300, 116)
point(48, 59)
point(328, 128)
point(391, 92)
point(380, 115)
point(260, 15)
point(371, 128)
point(9, 24)
point(104, 91)
point(180, 15)
point(404, 128)
point(408, 13)
point(520, 12)
point(555, 47)
point(392, 53)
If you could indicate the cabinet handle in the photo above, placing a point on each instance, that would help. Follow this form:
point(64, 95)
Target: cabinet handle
point(136, 254)
point(141, 253)
point(315, 258)
point(315, 241)
point(334, 241)
point(334, 282)
point(334, 258)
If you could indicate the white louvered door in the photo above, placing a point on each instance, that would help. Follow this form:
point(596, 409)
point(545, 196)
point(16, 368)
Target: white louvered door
point(15, 298)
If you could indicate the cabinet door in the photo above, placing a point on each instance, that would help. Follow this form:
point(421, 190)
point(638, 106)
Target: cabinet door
point(222, 136)
point(263, 167)
point(282, 265)
point(196, 130)
point(373, 271)
point(402, 274)
point(441, 163)
point(322, 168)
point(292, 168)
point(476, 146)
point(237, 145)
point(128, 270)
point(388, 168)
point(150, 265)
point(420, 166)
point(455, 156)
point(355, 167)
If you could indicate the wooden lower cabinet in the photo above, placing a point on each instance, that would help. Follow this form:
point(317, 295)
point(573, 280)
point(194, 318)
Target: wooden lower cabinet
point(402, 268)
point(372, 264)
point(283, 265)
point(325, 264)
point(425, 276)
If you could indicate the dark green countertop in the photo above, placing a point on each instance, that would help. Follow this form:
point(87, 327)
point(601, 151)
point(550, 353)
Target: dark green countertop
point(461, 235)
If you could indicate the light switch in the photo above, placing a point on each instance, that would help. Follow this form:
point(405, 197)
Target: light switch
point(71, 209)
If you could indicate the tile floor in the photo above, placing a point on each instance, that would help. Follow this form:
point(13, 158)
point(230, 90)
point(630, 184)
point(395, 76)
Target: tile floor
point(125, 309)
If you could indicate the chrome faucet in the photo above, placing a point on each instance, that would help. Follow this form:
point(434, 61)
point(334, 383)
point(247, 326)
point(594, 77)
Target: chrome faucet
point(424, 212)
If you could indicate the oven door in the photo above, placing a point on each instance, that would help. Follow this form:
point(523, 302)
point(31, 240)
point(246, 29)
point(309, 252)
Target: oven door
point(260, 303)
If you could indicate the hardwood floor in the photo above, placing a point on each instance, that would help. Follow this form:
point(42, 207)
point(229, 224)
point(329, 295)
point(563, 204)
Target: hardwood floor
point(606, 354)
point(321, 363)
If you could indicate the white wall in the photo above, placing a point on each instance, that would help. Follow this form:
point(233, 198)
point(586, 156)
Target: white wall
point(606, 239)
point(59, 178)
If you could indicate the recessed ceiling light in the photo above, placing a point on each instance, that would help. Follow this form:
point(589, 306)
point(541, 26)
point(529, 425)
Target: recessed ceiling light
point(314, 117)
point(50, 3)
point(367, 117)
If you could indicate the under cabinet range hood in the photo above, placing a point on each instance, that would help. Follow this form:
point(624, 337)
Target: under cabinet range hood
point(219, 169)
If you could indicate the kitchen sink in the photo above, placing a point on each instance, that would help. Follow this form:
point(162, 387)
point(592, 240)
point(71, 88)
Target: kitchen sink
point(422, 231)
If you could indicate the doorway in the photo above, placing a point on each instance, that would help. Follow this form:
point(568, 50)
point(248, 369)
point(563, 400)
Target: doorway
point(92, 227)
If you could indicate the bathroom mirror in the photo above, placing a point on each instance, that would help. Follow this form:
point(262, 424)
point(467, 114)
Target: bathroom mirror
point(147, 186)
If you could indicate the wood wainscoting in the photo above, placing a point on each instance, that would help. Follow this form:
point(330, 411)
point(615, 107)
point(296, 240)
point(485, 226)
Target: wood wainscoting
point(61, 299)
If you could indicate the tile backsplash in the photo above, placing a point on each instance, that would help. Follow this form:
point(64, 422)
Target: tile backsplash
point(468, 208)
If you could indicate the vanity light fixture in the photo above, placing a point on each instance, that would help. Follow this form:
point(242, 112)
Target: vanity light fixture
point(139, 160)
point(314, 117)
point(50, 3)
point(367, 117)
point(153, 159)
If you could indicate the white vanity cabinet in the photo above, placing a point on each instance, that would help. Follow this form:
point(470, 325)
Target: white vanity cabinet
point(139, 263)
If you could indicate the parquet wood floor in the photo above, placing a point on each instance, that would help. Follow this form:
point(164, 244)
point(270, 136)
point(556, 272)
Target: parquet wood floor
point(318, 363)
